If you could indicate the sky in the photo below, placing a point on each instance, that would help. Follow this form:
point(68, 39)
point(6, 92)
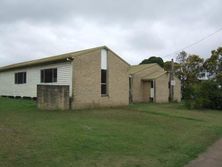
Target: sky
point(135, 30)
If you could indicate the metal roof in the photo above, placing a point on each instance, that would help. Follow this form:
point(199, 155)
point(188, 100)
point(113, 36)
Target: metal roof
point(151, 71)
point(57, 58)
point(137, 68)
point(154, 75)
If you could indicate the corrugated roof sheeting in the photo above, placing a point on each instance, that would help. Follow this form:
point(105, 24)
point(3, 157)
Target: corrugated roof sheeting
point(151, 71)
point(154, 76)
point(49, 59)
point(57, 58)
point(138, 68)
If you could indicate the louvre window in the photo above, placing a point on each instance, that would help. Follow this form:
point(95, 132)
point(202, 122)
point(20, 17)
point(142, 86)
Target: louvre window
point(152, 84)
point(49, 75)
point(104, 82)
point(104, 89)
point(20, 78)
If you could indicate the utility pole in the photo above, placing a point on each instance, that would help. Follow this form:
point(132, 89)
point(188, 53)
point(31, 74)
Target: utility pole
point(172, 81)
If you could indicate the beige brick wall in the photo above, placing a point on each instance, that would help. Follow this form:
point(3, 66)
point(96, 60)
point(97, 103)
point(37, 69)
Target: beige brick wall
point(87, 81)
point(146, 92)
point(162, 89)
point(141, 89)
point(137, 89)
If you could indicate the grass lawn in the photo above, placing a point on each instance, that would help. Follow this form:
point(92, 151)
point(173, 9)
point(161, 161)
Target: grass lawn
point(142, 135)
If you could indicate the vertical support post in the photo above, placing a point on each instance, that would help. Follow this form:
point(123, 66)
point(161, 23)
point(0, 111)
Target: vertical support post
point(172, 82)
point(154, 87)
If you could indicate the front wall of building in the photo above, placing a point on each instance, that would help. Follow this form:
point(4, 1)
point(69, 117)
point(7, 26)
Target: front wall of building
point(146, 92)
point(87, 81)
point(141, 89)
point(29, 89)
point(162, 89)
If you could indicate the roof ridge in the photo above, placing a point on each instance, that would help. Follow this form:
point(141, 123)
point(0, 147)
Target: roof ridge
point(143, 64)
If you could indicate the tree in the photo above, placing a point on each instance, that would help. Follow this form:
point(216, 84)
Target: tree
point(213, 65)
point(206, 94)
point(181, 58)
point(167, 66)
point(190, 68)
point(153, 59)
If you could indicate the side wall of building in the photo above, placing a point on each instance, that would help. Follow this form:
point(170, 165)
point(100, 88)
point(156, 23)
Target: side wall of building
point(87, 81)
point(9, 88)
point(162, 89)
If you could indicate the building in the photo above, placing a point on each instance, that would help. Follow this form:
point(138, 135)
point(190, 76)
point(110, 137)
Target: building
point(96, 77)
point(150, 83)
point(204, 76)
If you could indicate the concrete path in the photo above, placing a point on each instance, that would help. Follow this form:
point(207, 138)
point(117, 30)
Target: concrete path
point(211, 158)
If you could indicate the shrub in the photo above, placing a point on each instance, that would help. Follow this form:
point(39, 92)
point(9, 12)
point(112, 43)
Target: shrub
point(206, 94)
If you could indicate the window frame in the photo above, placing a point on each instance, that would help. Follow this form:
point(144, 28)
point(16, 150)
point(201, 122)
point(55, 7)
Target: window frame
point(104, 68)
point(53, 75)
point(104, 83)
point(22, 80)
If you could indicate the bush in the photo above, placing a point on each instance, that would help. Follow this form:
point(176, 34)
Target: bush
point(207, 94)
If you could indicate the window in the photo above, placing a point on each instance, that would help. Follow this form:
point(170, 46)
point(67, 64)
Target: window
point(49, 75)
point(130, 89)
point(104, 82)
point(20, 78)
point(104, 90)
point(152, 84)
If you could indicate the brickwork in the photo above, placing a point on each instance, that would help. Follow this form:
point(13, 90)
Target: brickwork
point(87, 81)
point(53, 97)
point(162, 89)
point(141, 88)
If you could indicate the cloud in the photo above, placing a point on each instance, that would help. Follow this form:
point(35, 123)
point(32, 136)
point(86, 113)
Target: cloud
point(135, 29)
point(110, 11)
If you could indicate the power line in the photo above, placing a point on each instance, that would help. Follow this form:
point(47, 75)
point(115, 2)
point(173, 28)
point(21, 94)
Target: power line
point(195, 43)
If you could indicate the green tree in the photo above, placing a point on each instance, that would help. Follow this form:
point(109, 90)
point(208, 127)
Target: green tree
point(153, 59)
point(213, 65)
point(167, 66)
point(190, 68)
point(207, 94)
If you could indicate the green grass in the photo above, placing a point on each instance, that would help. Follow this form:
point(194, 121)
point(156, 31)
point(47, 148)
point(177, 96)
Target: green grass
point(142, 135)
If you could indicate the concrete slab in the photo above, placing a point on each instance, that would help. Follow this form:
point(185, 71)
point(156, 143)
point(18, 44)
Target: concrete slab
point(211, 158)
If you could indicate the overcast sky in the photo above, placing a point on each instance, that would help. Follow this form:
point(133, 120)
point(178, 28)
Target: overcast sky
point(31, 29)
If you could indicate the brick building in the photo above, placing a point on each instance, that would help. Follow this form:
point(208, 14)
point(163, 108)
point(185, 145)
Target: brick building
point(96, 77)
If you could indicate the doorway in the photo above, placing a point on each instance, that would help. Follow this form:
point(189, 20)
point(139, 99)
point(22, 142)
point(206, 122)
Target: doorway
point(152, 90)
